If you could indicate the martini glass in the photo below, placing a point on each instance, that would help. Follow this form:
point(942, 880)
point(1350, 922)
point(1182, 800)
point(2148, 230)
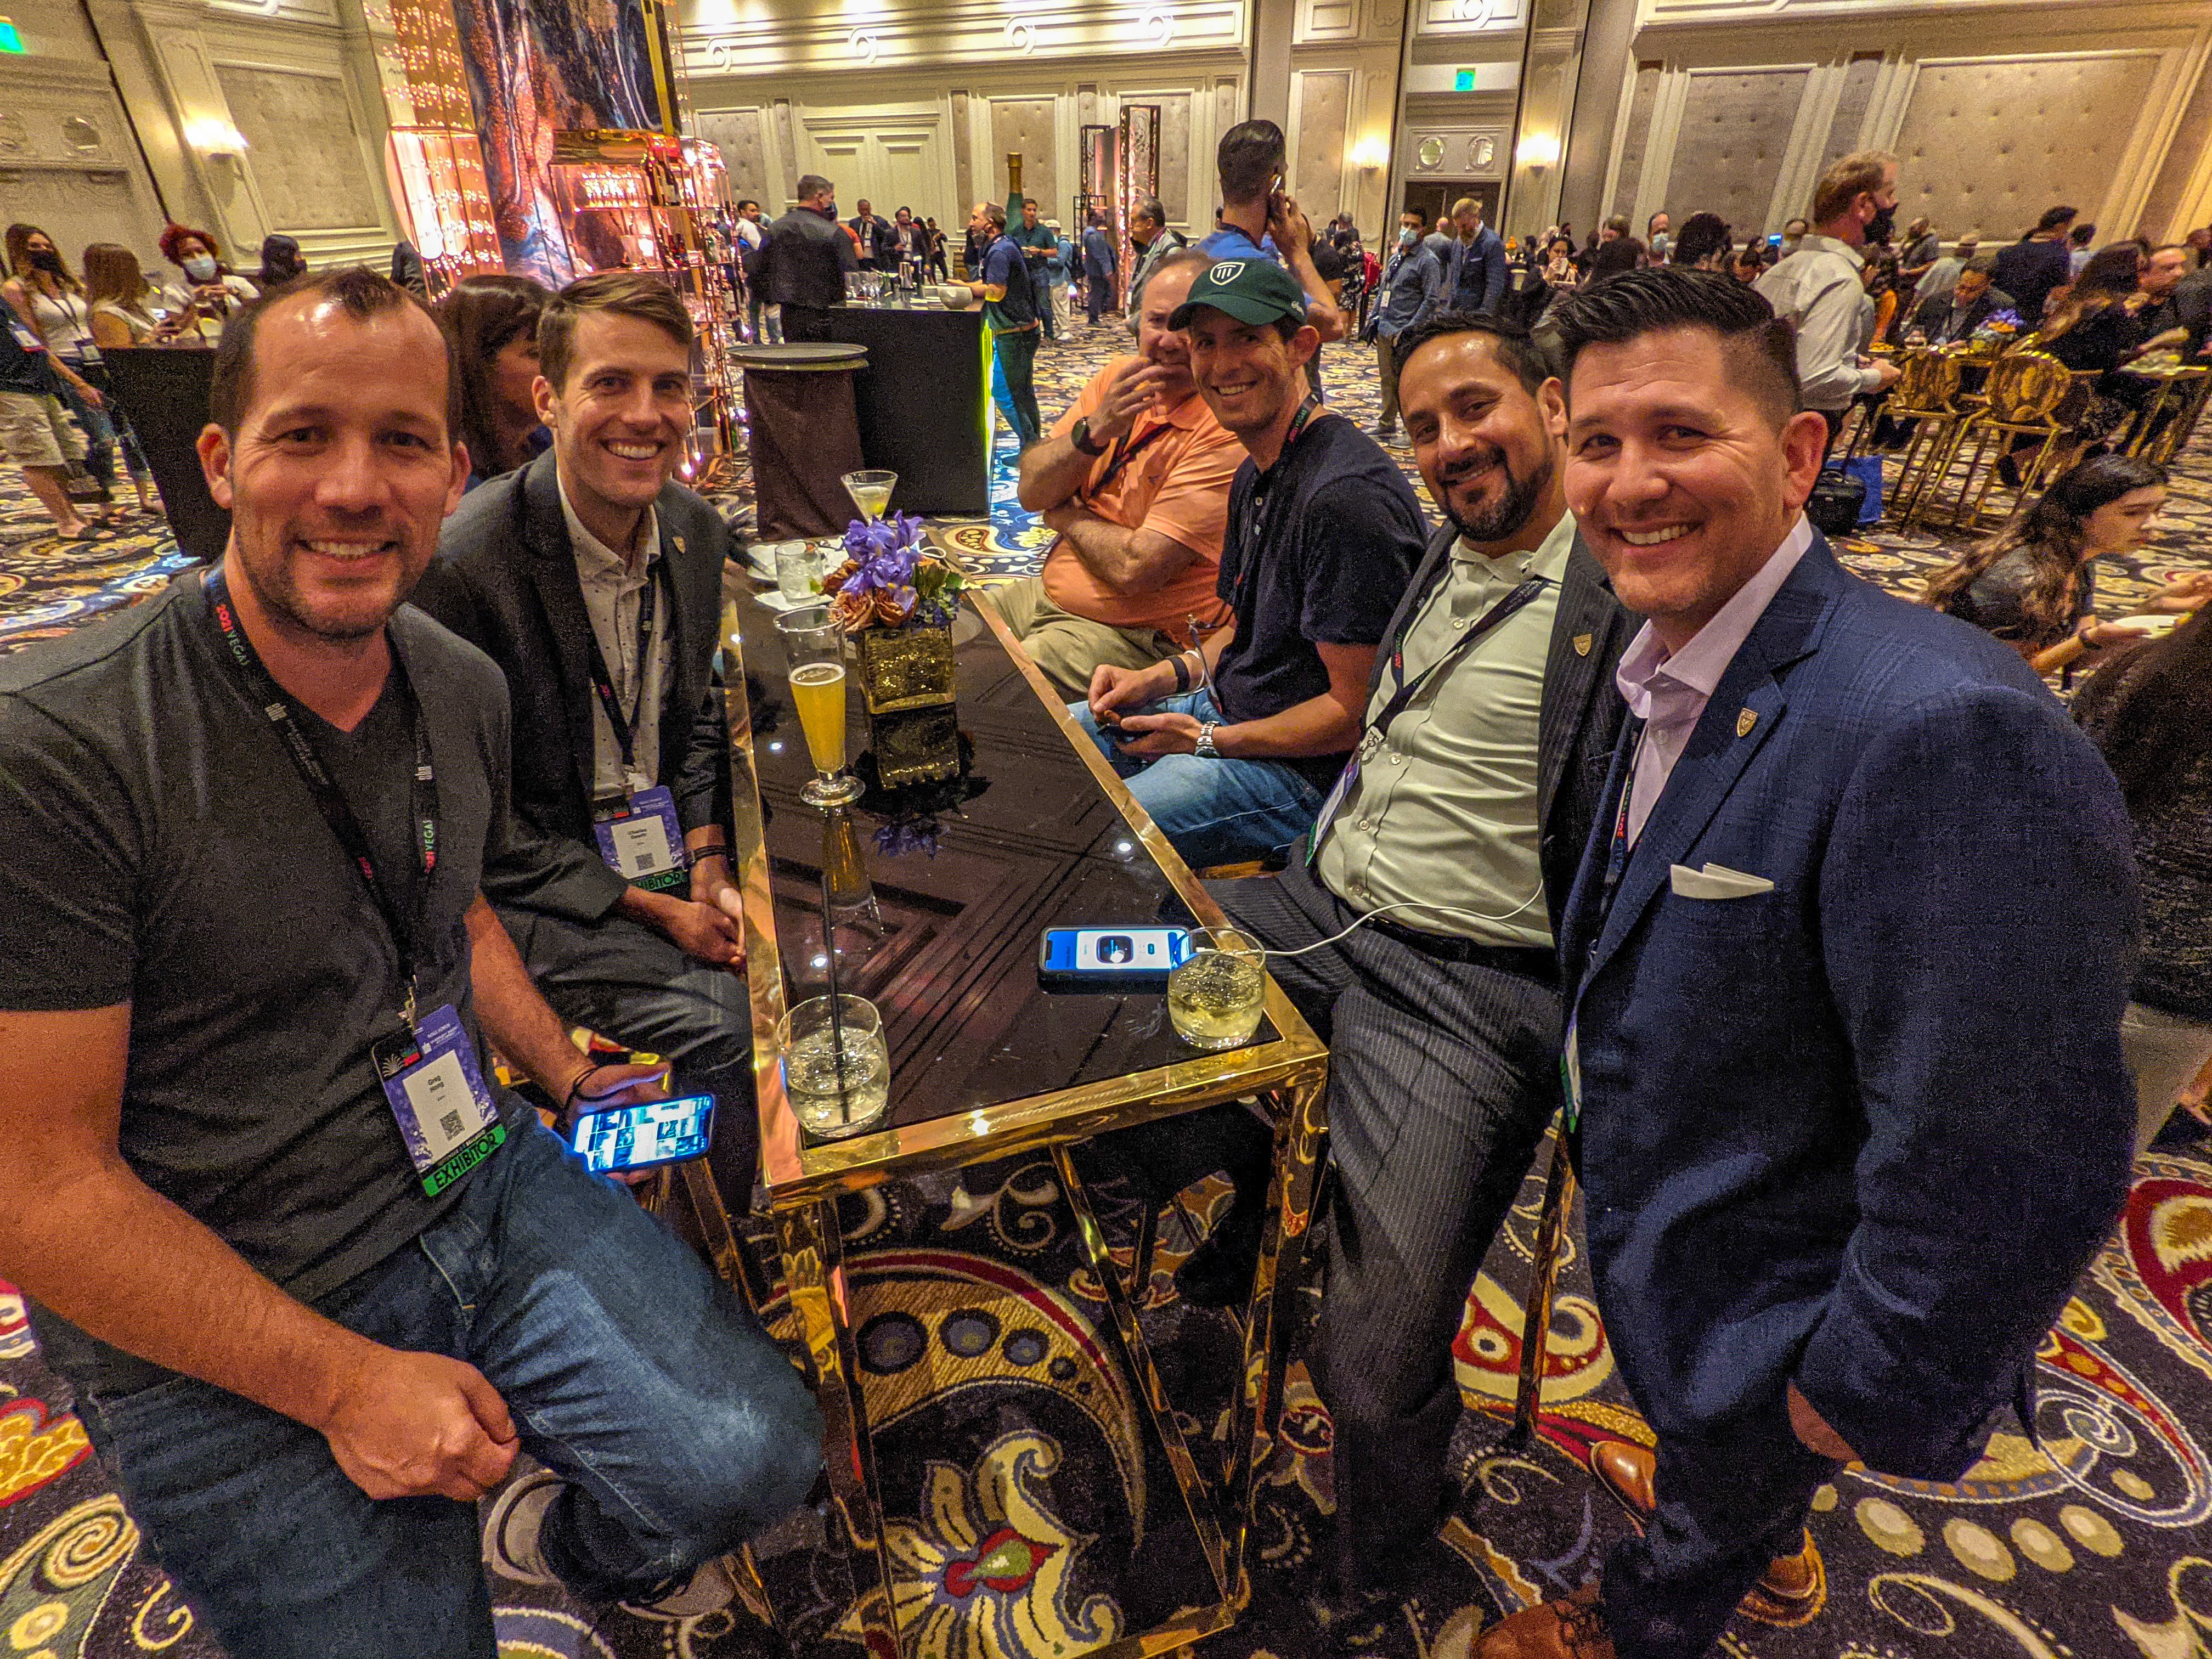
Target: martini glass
point(870, 489)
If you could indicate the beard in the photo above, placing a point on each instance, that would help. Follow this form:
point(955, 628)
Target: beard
point(346, 616)
point(1511, 511)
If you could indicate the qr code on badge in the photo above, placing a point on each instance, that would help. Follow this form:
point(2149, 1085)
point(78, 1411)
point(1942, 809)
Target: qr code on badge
point(646, 860)
point(451, 1123)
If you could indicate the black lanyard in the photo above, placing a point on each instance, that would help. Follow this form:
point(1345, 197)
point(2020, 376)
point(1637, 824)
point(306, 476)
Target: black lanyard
point(1119, 457)
point(1403, 693)
point(1245, 542)
point(1617, 849)
point(603, 682)
point(330, 801)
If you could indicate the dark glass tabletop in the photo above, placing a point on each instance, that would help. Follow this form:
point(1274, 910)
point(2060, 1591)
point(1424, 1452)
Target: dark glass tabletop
point(938, 894)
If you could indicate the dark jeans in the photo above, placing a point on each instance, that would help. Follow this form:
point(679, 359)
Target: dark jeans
point(1018, 364)
point(99, 431)
point(1098, 297)
point(630, 1370)
point(635, 987)
point(1386, 365)
point(1727, 1506)
point(1443, 1076)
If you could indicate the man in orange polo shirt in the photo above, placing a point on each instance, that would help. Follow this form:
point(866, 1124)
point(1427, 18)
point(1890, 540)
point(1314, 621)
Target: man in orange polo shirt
point(1134, 479)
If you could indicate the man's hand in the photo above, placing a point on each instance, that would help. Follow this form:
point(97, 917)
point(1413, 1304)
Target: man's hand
point(1813, 1431)
point(1888, 372)
point(703, 930)
point(1289, 228)
point(1113, 690)
point(1148, 737)
point(2097, 633)
point(2184, 594)
point(1057, 518)
point(417, 1424)
point(1129, 390)
point(711, 885)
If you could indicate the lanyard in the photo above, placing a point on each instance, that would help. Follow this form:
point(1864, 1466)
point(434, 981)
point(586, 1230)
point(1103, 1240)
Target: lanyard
point(1119, 457)
point(1616, 852)
point(329, 800)
point(1402, 693)
point(603, 682)
point(1245, 562)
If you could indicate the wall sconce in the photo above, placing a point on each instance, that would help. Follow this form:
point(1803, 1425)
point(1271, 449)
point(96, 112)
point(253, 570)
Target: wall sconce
point(212, 138)
point(1538, 149)
point(1370, 154)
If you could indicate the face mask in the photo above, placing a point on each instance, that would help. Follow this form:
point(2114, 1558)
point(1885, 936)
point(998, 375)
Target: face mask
point(1406, 237)
point(1879, 227)
point(200, 268)
point(46, 259)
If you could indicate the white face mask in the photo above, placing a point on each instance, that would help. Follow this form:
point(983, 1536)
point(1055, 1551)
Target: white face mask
point(200, 268)
point(1407, 236)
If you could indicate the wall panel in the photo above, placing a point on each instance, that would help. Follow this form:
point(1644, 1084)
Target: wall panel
point(1728, 151)
point(1992, 142)
point(303, 147)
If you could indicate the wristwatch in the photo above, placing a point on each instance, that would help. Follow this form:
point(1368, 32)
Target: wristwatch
point(1206, 751)
point(1079, 435)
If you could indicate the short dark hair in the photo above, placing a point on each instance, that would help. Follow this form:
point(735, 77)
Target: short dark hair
point(1702, 235)
point(615, 293)
point(994, 215)
point(1516, 348)
point(744, 201)
point(811, 184)
point(1249, 157)
point(2083, 235)
point(1420, 213)
point(1982, 265)
point(1759, 348)
point(363, 293)
point(2055, 216)
point(1622, 253)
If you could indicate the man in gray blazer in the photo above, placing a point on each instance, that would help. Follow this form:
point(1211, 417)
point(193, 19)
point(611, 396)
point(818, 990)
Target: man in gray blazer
point(1456, 833)
point(594, 582)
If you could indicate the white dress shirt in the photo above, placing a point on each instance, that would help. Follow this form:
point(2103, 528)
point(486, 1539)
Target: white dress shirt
point(614, 589)
point(1819, 289)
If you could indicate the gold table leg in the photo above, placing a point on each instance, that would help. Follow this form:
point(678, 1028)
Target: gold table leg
point(1543, 1278)
point(814, 1273)
point(1125, 1338)
point(1301, 1136)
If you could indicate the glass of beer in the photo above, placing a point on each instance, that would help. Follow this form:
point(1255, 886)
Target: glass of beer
point(814, 646)
point(870, 489)
point(836, 1066)
point(1216, 993)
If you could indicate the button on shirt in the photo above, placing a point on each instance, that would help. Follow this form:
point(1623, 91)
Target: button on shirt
point(613, 594)
point(1668, 694)
point(1819, 289)
point(1445, 811)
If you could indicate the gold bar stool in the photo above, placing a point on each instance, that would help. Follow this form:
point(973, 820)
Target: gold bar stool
point(1928, 396)
point(2026, 390)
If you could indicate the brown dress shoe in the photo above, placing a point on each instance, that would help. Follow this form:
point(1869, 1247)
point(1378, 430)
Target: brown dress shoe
point(1570, 1629)
point(1625, 1469)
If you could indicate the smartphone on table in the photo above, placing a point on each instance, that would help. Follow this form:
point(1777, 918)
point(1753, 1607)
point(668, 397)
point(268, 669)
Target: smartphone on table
point(1107, 959)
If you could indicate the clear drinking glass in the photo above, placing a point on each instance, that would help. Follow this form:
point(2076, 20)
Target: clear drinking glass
point(870, 489)
point(1216, 993)
point(814, 647)
point(798, 566)
point(837, 1067)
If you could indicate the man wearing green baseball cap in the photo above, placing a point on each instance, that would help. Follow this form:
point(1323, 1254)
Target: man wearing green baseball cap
point(1230, 746)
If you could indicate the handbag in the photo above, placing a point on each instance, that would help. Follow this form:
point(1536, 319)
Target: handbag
point(1837, 501)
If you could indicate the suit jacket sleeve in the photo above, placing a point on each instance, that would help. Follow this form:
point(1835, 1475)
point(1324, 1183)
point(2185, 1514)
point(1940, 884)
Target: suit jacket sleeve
point(1978, 915)
point(701, 785)
point(529, 866)
point(1493, 272)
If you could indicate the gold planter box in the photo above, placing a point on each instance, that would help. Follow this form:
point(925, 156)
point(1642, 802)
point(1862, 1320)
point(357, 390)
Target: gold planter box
point(906, 686)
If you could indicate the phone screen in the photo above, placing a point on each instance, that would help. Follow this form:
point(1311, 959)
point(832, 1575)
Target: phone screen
point(1118, 952)
point(651, 1132)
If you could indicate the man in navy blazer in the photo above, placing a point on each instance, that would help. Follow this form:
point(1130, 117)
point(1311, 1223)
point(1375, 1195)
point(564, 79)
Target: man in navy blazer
point(1844, 965)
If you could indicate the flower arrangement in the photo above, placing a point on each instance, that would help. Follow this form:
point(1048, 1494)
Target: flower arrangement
point(890, 577)
point(1997, 325)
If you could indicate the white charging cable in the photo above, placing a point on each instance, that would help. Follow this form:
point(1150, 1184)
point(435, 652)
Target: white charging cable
point(1405, 904)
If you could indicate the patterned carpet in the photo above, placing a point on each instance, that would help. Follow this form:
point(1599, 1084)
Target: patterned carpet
point(1033, 1517)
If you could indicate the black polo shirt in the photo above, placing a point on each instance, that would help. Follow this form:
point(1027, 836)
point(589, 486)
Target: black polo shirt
point(1319, 551)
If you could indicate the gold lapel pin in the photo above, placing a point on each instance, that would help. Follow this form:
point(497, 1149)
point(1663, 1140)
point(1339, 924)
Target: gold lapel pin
point(678, 540)
point(1744, 721)
point(1583, 643)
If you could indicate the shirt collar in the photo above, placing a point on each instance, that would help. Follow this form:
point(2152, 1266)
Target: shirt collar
point(1699, 666)
point(591, 550)
point(1812, 239)
point(1548, 559)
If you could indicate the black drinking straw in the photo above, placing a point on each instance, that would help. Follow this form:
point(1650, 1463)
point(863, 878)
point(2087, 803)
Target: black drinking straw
point(837, 1018)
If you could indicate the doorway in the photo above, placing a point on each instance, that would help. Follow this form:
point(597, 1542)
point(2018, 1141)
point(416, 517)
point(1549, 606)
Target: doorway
point(1436, 196)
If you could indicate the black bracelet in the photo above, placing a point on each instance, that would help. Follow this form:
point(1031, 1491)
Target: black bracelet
point(1182, 672)
point(569, 1099)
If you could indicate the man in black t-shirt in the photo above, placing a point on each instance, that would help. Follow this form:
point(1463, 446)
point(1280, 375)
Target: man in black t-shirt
point(314, 1278)
point(1232, 746)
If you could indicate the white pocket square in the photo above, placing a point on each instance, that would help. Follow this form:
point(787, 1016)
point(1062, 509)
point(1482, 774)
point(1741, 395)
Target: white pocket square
point(1714, 881)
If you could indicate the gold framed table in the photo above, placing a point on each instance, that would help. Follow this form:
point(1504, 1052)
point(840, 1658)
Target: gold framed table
point(984, 1063)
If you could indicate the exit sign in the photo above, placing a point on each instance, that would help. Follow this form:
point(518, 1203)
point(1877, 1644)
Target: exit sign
point(1463, 80)
point(10, 39)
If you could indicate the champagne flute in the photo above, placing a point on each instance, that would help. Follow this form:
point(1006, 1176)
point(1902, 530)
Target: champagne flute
point(814, 646)
point(870, 488)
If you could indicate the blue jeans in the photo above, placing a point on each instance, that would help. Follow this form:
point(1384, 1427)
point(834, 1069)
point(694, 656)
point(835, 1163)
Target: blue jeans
point(1215, 811)
point(678, 1429)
